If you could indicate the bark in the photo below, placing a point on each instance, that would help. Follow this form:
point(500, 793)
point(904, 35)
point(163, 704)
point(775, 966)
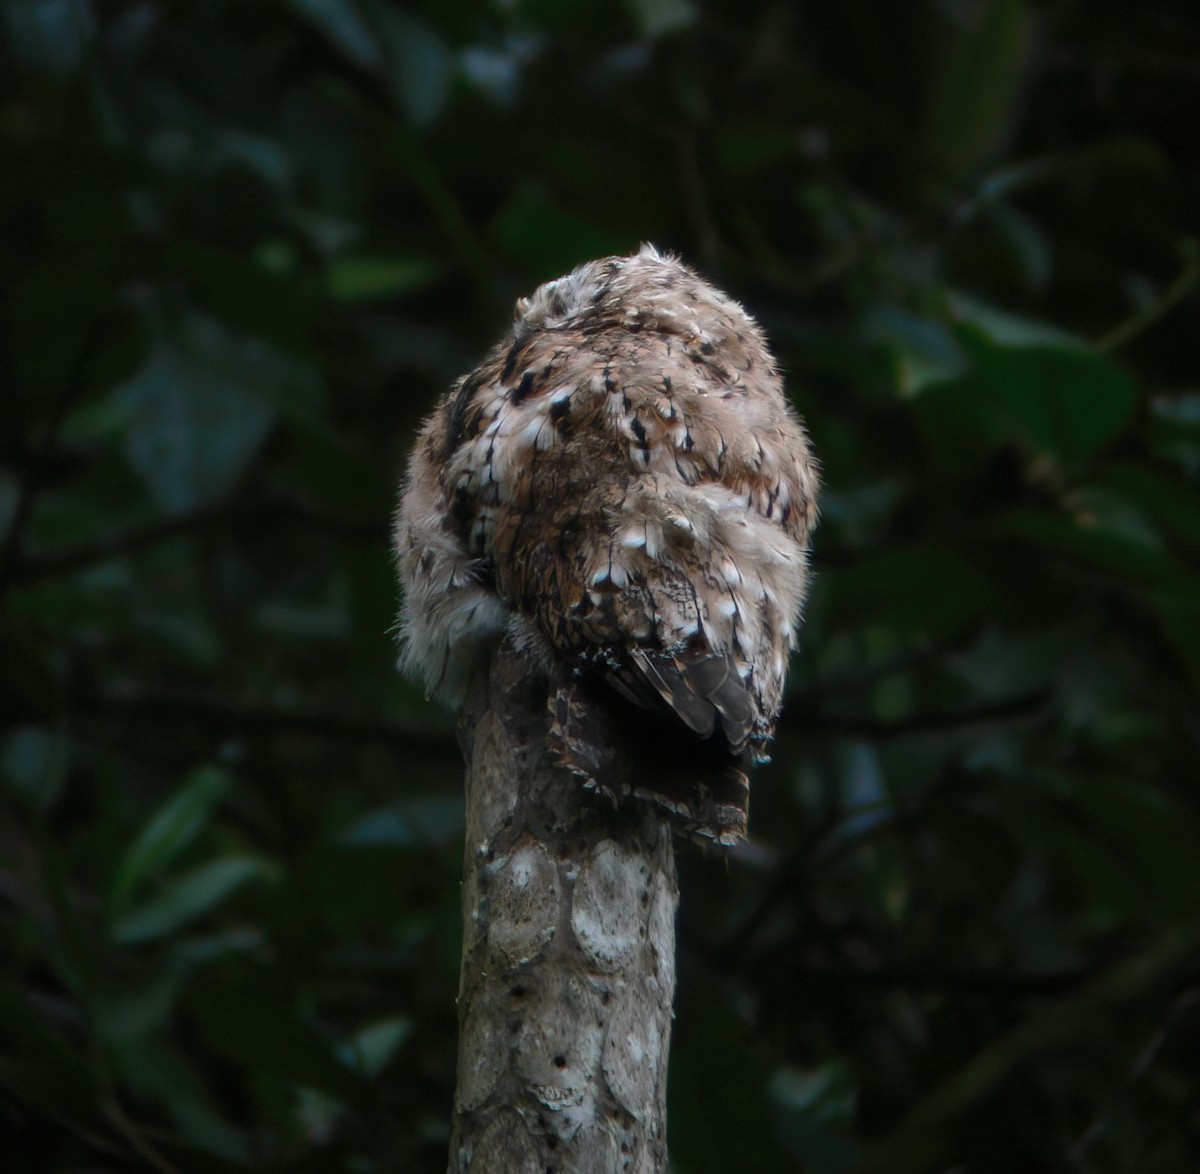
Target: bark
point(568, 969)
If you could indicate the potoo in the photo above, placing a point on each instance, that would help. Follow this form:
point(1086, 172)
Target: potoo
point(624, 489)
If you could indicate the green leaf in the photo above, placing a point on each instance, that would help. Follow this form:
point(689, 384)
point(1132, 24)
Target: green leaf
point(45, 36)
point(154, 1071)
point(924, 350)
point(268, 314)
point(1123, 554)
point(357, 279)
point(1178, 610)
point(201, 407)
point(1026, 241)
point(420, 65)
point(9, 491)
point(325, 468)
point(318, 1114)
point(35, 763)
point(417, 822)
point(368, 1051)
point(205, 1129)
point(58, 301)
point(40, 1065)
point(1173, 432)
point(1170, 500)
point(705, 1059)
point(187, 899)
point(656, 17)
point(1154, 832)
point(173, 827)
point(1064, 402)
point(30, 689)
point(261, 1019)
point(748, 147)
point(973, 98)
point(496, 72)
point(1007, 329)
point(816, 1108)
point(345, 29)
point(912, 589)
point(536, 231)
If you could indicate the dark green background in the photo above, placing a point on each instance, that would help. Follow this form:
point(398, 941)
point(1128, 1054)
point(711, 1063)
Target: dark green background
point(244, 245)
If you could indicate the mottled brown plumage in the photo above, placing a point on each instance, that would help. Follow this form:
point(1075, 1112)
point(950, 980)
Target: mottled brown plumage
point(624, 487)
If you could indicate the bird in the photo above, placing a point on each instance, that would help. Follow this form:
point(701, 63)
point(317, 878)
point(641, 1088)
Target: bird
point(624, 490)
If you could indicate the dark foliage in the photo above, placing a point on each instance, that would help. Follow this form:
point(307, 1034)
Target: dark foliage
point(244, 245)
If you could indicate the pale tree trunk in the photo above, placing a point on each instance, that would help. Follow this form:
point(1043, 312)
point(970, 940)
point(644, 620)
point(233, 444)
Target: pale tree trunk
point(568, 968)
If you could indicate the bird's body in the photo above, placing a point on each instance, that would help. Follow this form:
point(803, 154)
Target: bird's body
point(624, 487)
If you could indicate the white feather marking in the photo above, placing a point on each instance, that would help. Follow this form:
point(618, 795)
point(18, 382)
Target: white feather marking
point(654, 538)
point(528, 435)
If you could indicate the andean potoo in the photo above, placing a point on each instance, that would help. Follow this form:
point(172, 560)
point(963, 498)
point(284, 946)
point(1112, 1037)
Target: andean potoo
point(623, 487)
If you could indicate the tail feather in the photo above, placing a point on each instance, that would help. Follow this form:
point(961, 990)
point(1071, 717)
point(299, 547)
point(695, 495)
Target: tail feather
point(622, 750)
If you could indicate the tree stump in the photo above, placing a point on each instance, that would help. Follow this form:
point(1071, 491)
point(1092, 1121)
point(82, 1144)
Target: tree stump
point(568, 967)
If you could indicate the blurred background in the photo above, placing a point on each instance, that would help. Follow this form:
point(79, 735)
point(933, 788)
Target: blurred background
point(242, 249)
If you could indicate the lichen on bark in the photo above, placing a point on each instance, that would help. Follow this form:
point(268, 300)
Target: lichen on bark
point(568, 968)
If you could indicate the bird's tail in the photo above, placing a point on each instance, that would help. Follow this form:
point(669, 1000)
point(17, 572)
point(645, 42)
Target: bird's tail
point(627, 753)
